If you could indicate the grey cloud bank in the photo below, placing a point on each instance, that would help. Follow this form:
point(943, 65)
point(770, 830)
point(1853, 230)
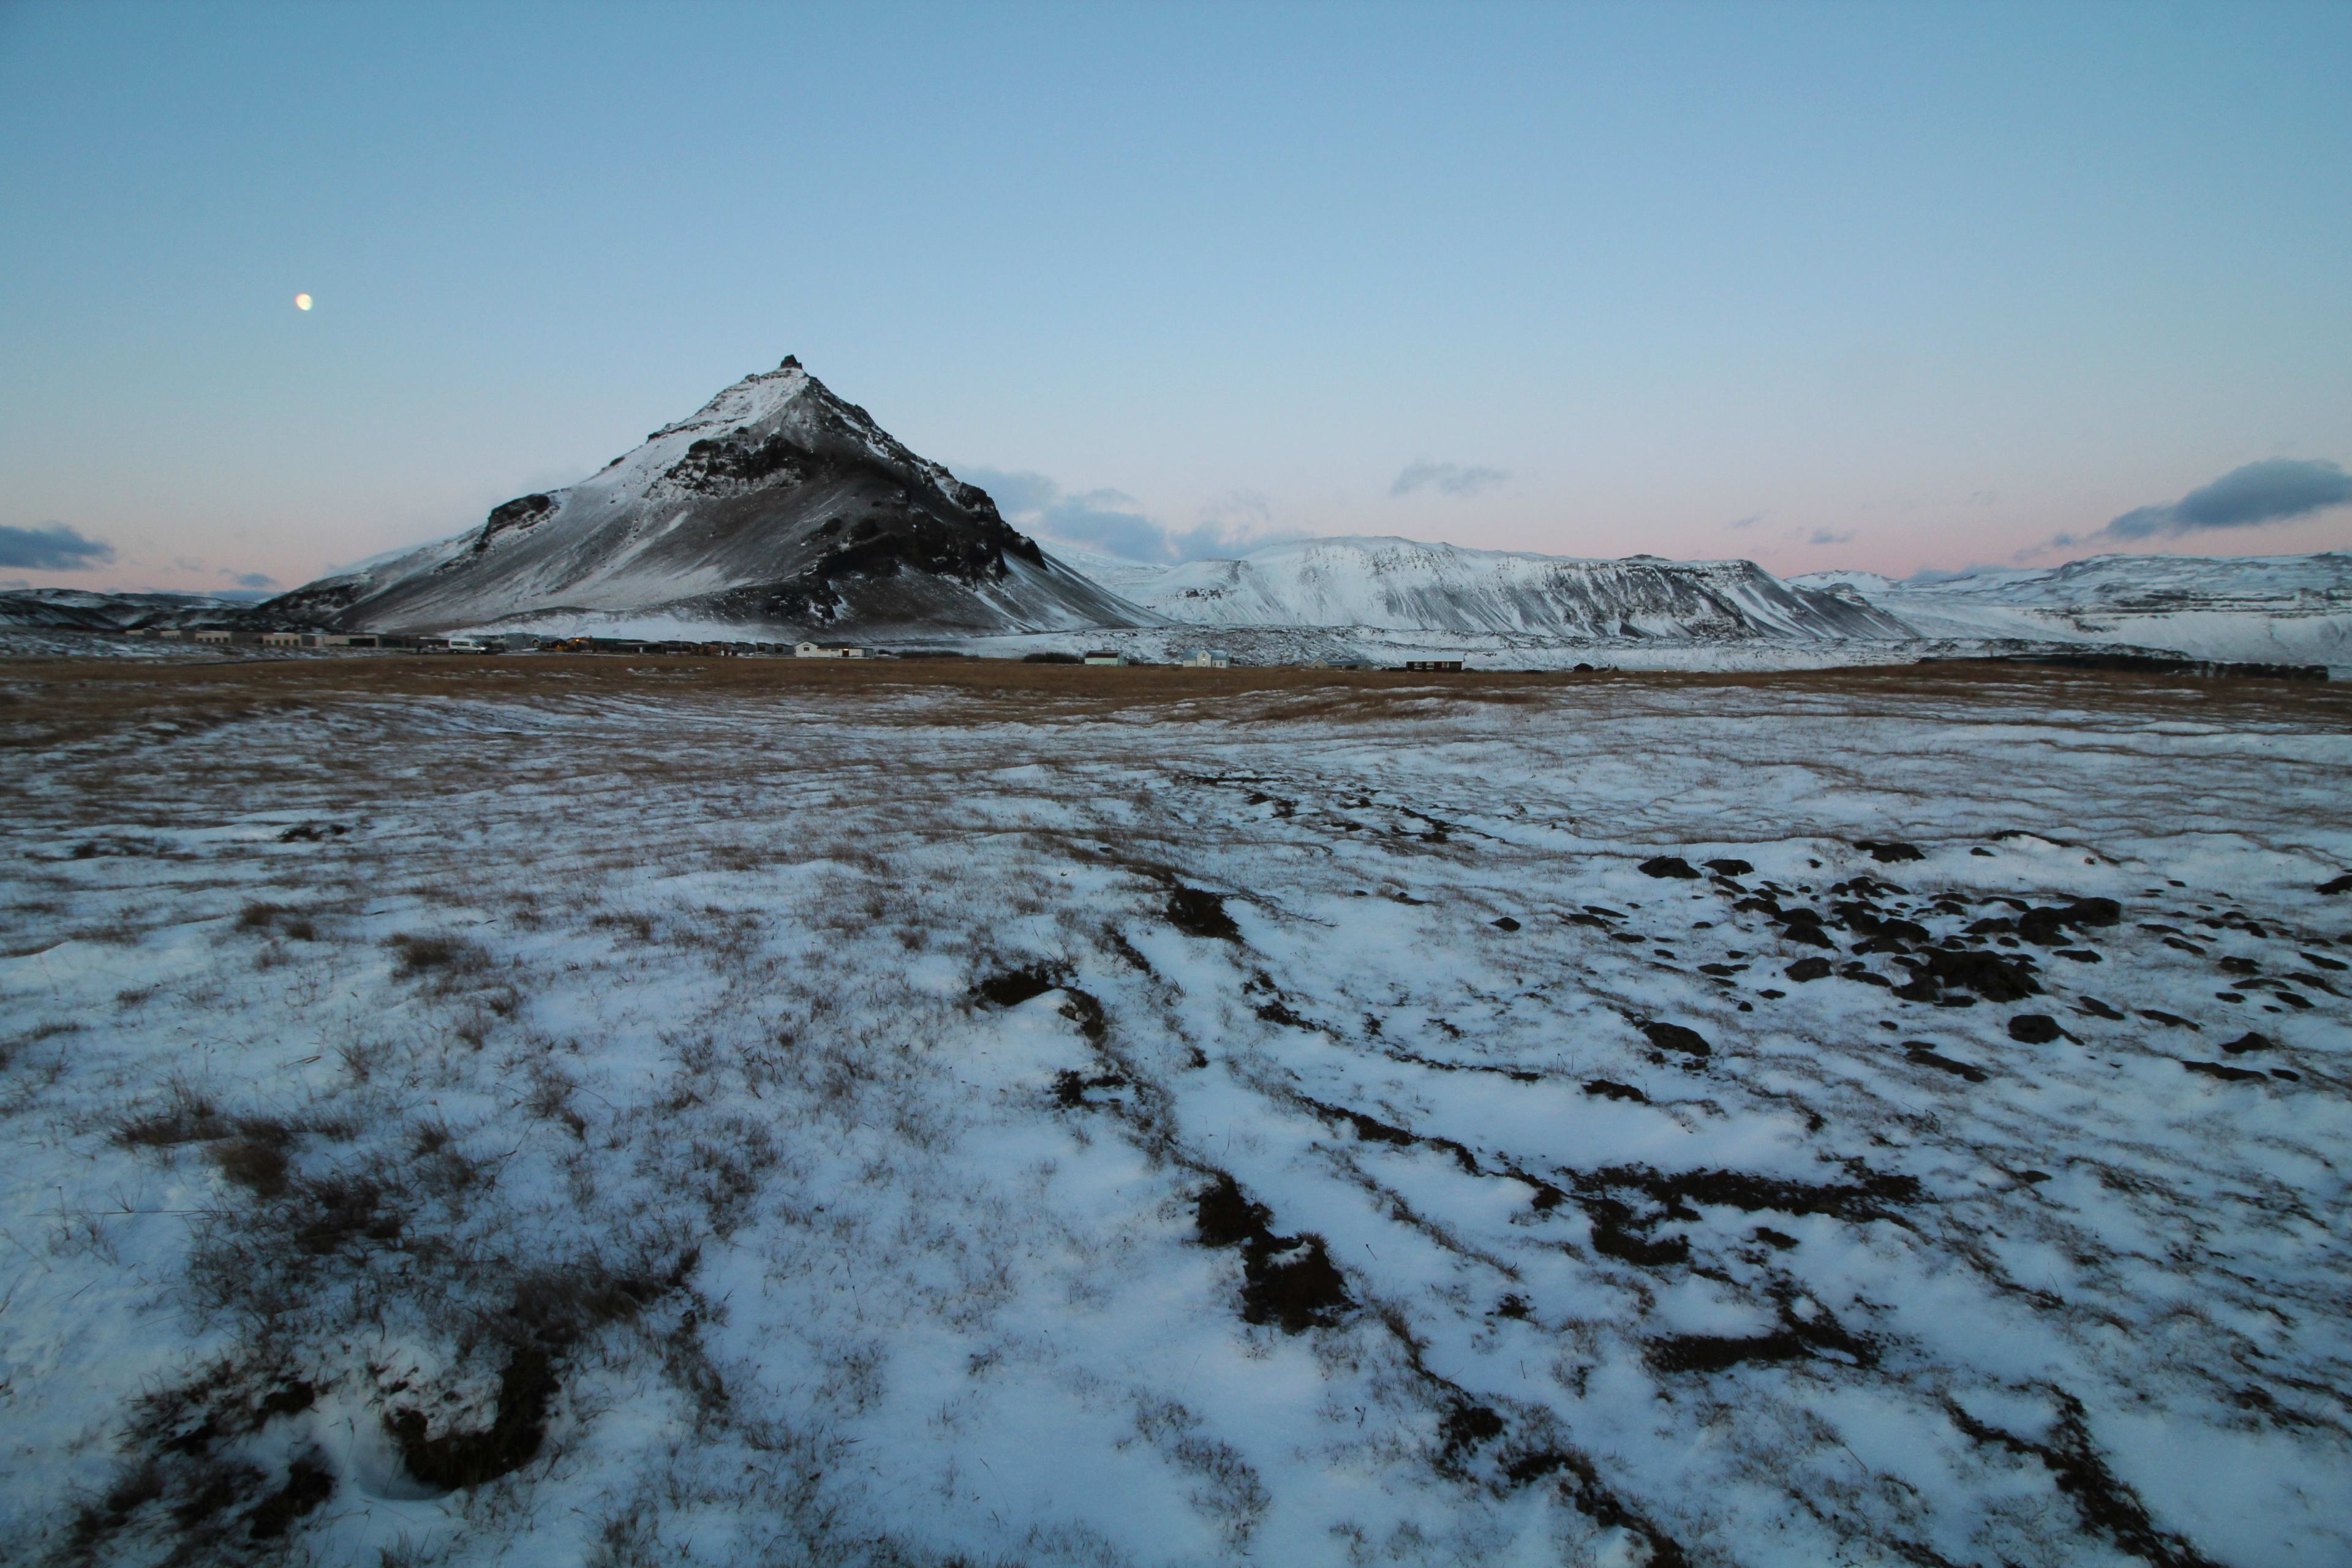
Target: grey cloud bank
point(1447, 479)
point(1113, 521)
point(51, 547)
point(2271, 490)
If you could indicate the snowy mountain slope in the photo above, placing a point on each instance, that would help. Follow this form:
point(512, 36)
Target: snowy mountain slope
point(2272, 608)
point(1399, 584)
point(777, 503)
point(85, 610)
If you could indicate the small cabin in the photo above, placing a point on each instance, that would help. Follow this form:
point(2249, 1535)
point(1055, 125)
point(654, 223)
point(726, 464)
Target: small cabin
point(820, 650)
point(1105, 656)
point(1208, 658)
point(1433, 664)
point(212, 635)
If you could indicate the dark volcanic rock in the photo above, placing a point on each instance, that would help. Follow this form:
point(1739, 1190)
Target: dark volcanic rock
point(1668, 866)
point(1674, 1037)
point(2034, 1029)
point(1890, 851)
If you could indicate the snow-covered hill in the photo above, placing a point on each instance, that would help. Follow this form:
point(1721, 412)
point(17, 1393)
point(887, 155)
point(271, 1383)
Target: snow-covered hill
point(1400, 584)
point(777, 504)
point(86, 610)
point(2293, 609)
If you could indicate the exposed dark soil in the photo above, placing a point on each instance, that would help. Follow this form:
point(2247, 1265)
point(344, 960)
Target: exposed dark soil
point(1289, 1280)
point(1198, 912)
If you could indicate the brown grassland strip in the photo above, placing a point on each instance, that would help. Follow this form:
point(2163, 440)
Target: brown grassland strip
point(52, 702)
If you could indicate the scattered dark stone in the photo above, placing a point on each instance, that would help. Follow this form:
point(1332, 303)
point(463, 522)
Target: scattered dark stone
point(2291, 1076)
point(1855, 971)
point(1806, 969)
point(313, 833)
point(1992, 926)
point(1728, 868)
point(1770, 1238)
point(1668, 866)
point(2229, 995)
point(2080, 955)
point(1890, 852)
point(2340, 885)
point(1721, 971)
point(2043, 927)
point(1197, 912)
point(1604, 912)
point(1594, 920)
point(2094, 912)
point(2299, 1004)
point(1514, 1307)
point(2097, 1008)
point(2033, 1178)
point(2319, 962)
point(1610, 1090)
point(1770, 996)
point(1016, 986)
point(1926, 1057)
point(1953, 1001)
point(2226, 1074)
point(1674, 1037)
point(2188, 947)
point(1807, 935)
point(2034, 1029)
point(2249, 1041)
point(1633, 937)
point(1985, 853)
point(1505, 923)
point(1989, 975)
point(2172, 1020)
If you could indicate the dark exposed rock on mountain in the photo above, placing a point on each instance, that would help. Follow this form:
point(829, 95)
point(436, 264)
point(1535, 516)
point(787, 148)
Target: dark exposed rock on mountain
point(777, 504)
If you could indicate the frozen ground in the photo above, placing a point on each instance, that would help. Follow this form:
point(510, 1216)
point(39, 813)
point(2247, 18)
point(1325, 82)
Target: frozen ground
point(642, 1114)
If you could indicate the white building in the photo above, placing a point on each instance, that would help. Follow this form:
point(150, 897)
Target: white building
point(819, 650)
point(1208, 658)
point(1105, 656)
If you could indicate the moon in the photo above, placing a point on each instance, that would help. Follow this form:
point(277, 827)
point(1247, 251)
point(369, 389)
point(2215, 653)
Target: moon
point(301, 301)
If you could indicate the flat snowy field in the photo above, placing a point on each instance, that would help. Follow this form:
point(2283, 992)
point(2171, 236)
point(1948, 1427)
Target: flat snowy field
point(560, 1111)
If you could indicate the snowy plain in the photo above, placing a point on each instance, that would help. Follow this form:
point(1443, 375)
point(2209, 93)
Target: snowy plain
point(645, 1111)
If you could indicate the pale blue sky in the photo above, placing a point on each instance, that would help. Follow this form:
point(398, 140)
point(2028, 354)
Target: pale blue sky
point(1889, 286)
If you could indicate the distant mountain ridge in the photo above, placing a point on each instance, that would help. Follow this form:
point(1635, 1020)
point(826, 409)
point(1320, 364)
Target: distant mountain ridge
point(2290, 609)
point(1401, 585)
point(776, 504)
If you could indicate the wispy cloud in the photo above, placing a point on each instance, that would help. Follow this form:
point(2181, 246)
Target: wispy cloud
point(1823, 536)
point(250, 579)
point(51, 547)
point(1117, 524)
point(1447, 479)
point(1750, 520)
point(2272, 490)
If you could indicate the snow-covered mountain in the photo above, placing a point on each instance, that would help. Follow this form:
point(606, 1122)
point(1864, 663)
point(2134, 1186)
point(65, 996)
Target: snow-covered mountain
point(776, 504)
point(1399, 584)
point(2290, 609)
point(90, 610)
